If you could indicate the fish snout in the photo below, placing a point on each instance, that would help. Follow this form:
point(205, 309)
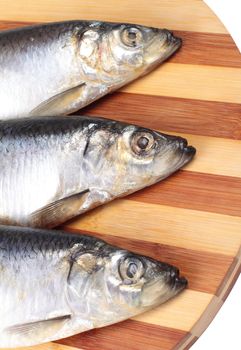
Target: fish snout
point(175, 281)
point(182, 143)
point(178, 144)
point(185, 148)
point(171, 39)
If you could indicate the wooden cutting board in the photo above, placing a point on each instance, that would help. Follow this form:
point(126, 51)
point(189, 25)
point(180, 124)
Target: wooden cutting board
point(192, 219)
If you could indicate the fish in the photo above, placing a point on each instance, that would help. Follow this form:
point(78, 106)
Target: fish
point(59, 68)
point(55, 284)
point(55, 168)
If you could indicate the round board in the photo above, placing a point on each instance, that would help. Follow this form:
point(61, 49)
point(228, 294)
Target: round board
point(192, 219)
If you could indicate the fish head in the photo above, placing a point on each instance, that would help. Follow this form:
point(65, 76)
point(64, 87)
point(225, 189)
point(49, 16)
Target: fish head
point(141, 283)
point(133, 158)
point(139, 49)
point(118, 53)
point(112, 284)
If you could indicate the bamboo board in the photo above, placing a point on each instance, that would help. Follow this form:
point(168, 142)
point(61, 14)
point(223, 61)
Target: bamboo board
point(192, 219)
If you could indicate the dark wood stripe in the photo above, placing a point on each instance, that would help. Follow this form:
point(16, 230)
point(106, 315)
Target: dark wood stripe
point(173, 114)
point(127, 335)
point(198, 191)
point(207, 49)
point(198, 48)
point(188, 339)
point(4, 25)
point(209, 267)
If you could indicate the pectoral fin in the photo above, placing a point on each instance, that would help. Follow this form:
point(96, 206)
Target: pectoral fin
point(60, 104)
point(57, 212)
point(42, 329)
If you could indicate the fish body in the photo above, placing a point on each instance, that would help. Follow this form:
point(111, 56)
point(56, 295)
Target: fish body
point(55, 284)
point(53, 169)
point(58, 68)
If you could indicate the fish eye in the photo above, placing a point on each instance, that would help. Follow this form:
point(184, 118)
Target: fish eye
point(142, 142)
point(131, 36)
point(131, 270)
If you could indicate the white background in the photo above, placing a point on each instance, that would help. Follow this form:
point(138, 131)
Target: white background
point(229, 12)
point(224, 333)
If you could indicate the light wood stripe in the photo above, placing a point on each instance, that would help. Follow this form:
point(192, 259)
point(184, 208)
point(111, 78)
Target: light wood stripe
point(191, 81)
point(209, 267)
point(163, 13)
point(180, 312)
point(207, 118)
point(184, 228)
point(127, 335)
point(190, 190)
point(215, 155)
point(48, 346)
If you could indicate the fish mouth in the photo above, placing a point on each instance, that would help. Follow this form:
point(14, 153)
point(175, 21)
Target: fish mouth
point(176, 282)
point(184, 154)
point(185, 151)
point(172, 39)
point(188, 152)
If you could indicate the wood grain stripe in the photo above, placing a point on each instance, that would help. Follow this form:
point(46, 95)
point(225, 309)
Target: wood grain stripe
point(5, 25)
point(187, 189)
point(207, 118)
point(191, 81)
point(173, 14)
point(48, 346)
point(209, 267)
point(215, 155)
point(207, 49)
point(178, 227)
point(127, 335)
point(180, 312)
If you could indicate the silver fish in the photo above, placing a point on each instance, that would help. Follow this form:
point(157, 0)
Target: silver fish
point(58, 68)
point(53, 169)
point(54, 285)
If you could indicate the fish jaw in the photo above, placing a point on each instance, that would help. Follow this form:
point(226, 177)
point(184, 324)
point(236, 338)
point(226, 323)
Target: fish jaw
point(162, 51)
point(161, 291)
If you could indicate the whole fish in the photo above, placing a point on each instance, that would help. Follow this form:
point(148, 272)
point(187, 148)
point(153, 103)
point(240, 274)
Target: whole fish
point(58, 68)
point(54, 285)
point(53, 169)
